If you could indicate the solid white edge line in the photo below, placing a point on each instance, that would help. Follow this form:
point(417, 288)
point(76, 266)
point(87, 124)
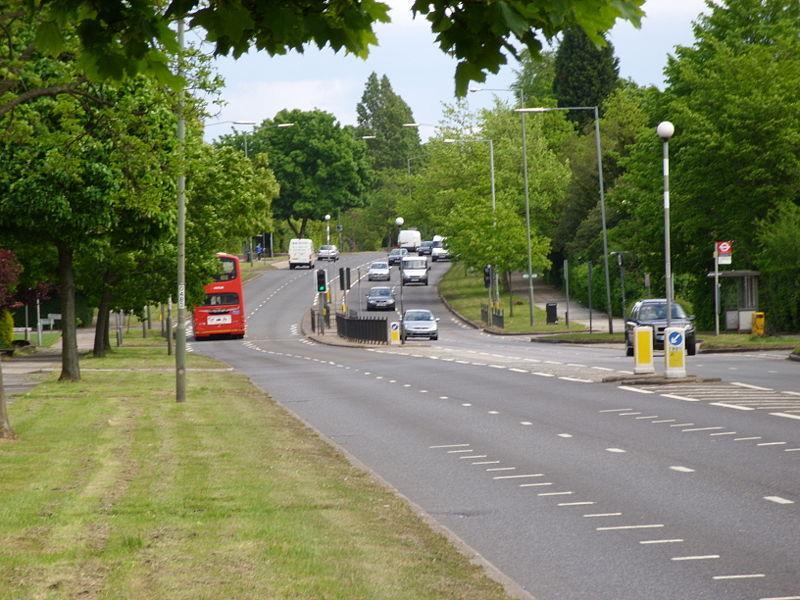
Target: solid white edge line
point(788, 416)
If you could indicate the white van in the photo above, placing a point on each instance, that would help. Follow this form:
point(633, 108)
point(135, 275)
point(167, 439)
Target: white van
point(301, 252)
point(414, 269)
point(409, 239)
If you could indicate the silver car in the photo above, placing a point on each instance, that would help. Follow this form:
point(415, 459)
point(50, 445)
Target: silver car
point(379, 271)
point(328, 252)
point(419, 323)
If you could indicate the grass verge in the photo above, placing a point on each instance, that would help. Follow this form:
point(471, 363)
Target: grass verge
point(584, 338)
point(114, 490)
point(465, 293)
point(49, 338)
point(726, 341)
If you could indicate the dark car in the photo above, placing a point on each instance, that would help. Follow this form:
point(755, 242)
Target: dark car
point(380, 298)
point(425, 248)
point(653, 313)
point(396, 255)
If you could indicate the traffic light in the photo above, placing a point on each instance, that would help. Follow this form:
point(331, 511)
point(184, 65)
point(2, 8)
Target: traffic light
point(487, 276)
point(341, 279)
point(322, 281)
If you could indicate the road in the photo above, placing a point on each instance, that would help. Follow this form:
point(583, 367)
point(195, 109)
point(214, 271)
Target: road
point(571, 487)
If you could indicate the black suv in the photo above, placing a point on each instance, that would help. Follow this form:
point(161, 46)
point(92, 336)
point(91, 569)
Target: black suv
point(425, 248)
point(653, 313)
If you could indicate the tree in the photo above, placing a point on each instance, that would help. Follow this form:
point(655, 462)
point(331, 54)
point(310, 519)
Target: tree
point(120, 38)
point(382, 113)
point(585, 74)
point(778, 259)
point(534, 82)
point(320, 167)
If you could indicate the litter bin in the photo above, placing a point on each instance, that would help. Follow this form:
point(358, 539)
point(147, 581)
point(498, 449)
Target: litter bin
point(759, 319)
point(552, 313)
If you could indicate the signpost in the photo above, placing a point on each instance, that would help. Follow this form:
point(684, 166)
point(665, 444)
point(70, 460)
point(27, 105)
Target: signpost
point(722, 256)
point(674, 352)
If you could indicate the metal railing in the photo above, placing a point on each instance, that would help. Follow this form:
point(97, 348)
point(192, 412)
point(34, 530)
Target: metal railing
point(362, 329)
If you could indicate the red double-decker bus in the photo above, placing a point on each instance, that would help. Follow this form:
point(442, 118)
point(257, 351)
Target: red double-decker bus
point(222, 312)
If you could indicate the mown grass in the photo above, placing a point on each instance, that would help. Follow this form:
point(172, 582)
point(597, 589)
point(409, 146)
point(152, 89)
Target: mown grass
point(745, 340)
point(49, 338)
point(114, 490)
point(584, 338)
point(465, 293)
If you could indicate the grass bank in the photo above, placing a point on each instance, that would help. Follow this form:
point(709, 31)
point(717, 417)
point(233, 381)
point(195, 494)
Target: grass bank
point(48, 337)
point(465, 293)
point(114, 490)
point(584, 338)
point(746, 341)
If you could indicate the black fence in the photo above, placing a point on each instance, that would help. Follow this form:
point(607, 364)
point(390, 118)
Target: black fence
point(362, 329)
point(493, 316)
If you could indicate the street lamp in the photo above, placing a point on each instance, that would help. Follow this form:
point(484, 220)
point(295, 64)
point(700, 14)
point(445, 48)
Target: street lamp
point(527, 195)
point(665, 131)
point(399, 222)
point(602, 191)
point(327, 229)
point(620, 264)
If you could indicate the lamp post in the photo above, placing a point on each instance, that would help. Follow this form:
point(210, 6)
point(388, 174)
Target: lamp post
point(399, 222)
point(327, 229)
point(527, 194)
point(621, 265)
point(602, 190)
point(665, 131)
point(494, 198)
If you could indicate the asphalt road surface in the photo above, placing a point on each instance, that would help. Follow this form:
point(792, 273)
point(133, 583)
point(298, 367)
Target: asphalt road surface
point(571, 487)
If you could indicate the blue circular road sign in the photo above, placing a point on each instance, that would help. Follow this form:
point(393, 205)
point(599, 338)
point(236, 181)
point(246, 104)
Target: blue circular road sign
point(675, 338)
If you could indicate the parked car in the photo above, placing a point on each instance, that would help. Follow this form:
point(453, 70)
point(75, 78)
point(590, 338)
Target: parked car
point(328, 252)
point(439, 250)
point(380, 298)
point(418, 323)
point(424, 248)
point(301, 252)
point(379, 271)
point(653, 313)
point(414, 269)
point(396, 255)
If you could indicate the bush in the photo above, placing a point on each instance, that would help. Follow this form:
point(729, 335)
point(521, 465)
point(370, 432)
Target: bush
point(6, 329)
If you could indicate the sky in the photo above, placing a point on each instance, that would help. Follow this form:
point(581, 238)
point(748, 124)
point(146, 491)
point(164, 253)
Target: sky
point(258, 86)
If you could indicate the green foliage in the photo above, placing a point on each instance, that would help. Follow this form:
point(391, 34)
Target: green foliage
point(585, 74)
point(778, 259)
point(534, 82)
point(382, 113)
point(6, 328)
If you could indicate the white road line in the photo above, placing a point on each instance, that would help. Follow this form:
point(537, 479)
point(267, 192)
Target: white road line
point(625, 372)
point(576, 379)
point(525, 423)
point(574, 503)
point(671, 541)
point(475, 456)
point(621, 527)
point(493, 412)
point(450, 446)
point(602, 368)
point(466, 404)
point(792, 394)
point(518, 476)
point(536, 484)
point(792, 450)
point(533, 360)
point(542, 374)
point(576, 365)
point(423, 391)
point(517, 370)
point(782, 598)
point(722, 433)
point(703, 429)
point(742, 439)
point(497, 366)
point(627, 414)
point(676, 397)
point(592, 515)
point(618, 450)
point(749, 576)
point(554, 494)
point(698, 557)
point(487, 462)
point(681, 469)
point(751, 387)
point(788, 416)
point(610, 410)
point(459, 451)
point(726, 405)
point(443, 397)
point(664, 421)
point(772, 444)
point(647, 417)
point(682, 425)
point(565, 435)
point(502, 469)
point(553, 362)
point(778, 500)
point(406, 385)
point(634, 389)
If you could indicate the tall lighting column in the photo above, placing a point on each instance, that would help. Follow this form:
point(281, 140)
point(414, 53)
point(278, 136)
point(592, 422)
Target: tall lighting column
point(594, 109)
point(180, 330)
point(665, 131)
point(399, 222)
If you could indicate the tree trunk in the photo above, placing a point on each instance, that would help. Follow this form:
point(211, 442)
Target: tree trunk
point(5, 426)
point(70, 369)
point(107, 341)
point(302, 232)
point(292, 227)
point(101, 329)
point(510, 294)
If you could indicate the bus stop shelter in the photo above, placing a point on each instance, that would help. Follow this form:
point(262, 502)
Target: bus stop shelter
point(740, 317)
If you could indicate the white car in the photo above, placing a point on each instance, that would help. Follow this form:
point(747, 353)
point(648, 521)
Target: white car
point(418, 323)
point(379, 271)
point(328, 252)
point(440, 251)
